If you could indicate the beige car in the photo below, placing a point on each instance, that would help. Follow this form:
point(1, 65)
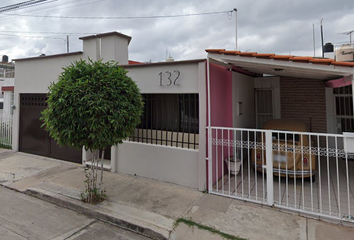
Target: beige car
point(289, 158)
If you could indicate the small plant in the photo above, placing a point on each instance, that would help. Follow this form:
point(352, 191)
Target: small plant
point(92, 193)
point(191, 223)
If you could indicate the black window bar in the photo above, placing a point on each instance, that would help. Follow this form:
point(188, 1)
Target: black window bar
point(170, 120)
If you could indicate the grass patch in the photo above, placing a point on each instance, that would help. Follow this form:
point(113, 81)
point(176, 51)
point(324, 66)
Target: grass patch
point(191, 223)
point(5, 146)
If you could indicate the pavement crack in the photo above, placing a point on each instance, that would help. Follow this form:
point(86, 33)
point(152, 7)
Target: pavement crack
point(83, 228)
point(14, 232)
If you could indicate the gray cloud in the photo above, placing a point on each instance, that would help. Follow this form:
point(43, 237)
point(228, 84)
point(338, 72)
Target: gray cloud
point(266, 26)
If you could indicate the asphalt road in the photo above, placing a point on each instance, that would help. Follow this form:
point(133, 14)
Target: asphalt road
point(24, 217)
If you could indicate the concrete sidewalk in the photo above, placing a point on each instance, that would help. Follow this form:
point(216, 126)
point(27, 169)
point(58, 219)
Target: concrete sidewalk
point(151, 207)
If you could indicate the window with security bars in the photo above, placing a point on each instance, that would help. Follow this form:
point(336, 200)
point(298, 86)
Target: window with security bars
point(264, 106)
point(344, 108)
point(170, 120)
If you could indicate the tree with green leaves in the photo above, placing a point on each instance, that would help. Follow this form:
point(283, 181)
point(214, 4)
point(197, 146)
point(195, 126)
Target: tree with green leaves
point(93, 105)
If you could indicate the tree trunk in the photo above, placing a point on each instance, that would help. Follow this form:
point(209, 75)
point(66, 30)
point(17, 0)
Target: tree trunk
point(101, 171)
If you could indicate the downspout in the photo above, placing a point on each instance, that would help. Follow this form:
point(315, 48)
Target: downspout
point(210, 163)
point(353, 93)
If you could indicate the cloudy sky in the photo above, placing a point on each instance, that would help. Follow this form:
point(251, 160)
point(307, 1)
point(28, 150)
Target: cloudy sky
point(264, 26)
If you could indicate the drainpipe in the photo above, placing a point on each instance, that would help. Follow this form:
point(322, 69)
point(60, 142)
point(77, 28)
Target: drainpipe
point(353, 93)
point(210, 164)
point(235, 10)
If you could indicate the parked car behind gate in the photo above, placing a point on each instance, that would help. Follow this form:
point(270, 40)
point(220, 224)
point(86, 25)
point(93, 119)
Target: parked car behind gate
point(291, 150)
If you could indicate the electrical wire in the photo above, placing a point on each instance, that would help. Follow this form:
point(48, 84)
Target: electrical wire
point(26, 4)
point(49, 33)
point(52, 8)
point(122, 18)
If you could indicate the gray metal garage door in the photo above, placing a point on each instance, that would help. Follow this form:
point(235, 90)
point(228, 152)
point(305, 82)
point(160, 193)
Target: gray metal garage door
point(33, 138)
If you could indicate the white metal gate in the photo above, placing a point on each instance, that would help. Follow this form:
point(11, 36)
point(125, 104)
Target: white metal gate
point(311, 173)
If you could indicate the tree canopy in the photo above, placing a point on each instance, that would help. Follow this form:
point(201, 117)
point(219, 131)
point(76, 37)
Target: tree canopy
point(93, 104)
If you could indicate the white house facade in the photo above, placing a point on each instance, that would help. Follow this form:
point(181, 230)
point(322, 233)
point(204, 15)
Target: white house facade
point(202, 115)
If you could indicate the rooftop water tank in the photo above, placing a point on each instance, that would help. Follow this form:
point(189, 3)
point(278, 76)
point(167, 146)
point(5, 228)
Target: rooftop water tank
point(170, 59)
point(5, 59)
point(328, 47)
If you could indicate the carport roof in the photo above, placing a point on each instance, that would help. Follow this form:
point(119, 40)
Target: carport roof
point(282, 65)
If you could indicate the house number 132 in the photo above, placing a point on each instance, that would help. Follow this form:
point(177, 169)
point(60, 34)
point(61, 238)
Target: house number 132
point(167, 78)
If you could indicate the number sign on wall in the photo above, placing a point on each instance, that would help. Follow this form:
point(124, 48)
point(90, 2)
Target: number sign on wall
point(169, 78)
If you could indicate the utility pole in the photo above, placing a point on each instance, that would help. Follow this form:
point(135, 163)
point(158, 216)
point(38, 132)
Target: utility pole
point(322, 38)
point(67, 43)
point(235, 10)
point(314, 41)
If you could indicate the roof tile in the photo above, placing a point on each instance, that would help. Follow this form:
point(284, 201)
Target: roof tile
point(263, 55)
point(214, 50)
point(301, 59)
point(282, 57)
point(230, 52)
point(343, 64)
point(247, 54)
point(323, 61)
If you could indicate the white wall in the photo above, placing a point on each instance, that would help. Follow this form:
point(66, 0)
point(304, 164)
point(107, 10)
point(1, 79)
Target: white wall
point(7, 97)
point(120, 54)
point(243, 92)
point(163, 163)
point(9, 82)
point(182, 166)
point(148, 77)
point(91, 49)
point(7, 104)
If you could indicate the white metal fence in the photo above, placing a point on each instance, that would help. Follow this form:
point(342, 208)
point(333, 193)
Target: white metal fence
point(6, 124)
point(311, 172)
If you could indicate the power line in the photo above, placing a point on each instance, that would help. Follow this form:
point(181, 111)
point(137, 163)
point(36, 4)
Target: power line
point(49, 33)
point(36, 10)
point(18, 6)
point(122, 18)
point(29, 36)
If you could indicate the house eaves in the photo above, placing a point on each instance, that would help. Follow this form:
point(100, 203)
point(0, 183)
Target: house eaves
point(283, 65)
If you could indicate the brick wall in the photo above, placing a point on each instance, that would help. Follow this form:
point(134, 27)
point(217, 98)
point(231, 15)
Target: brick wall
point(304, 99)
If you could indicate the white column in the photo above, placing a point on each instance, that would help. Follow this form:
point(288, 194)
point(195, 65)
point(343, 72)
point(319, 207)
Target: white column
point(202, 82)
point(84, 155)
point(210, 163)
point(269, 162)
point(114, 158)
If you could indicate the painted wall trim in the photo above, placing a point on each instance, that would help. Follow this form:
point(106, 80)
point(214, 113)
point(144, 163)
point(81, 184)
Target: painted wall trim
point(341, 82)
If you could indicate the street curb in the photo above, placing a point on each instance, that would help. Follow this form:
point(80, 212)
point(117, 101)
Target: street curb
point(93, 211)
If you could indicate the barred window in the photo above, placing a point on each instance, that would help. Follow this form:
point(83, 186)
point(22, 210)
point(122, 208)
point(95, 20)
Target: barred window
point(344, 109)
point(169, 119)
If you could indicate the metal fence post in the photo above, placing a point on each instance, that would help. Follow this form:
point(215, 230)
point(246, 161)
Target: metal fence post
point(210, 161)
point(269, 164)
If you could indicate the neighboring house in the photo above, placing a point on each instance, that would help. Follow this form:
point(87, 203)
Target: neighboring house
point(7, 74)
point(262, 87)
point(8, 97)
point(187, 102)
